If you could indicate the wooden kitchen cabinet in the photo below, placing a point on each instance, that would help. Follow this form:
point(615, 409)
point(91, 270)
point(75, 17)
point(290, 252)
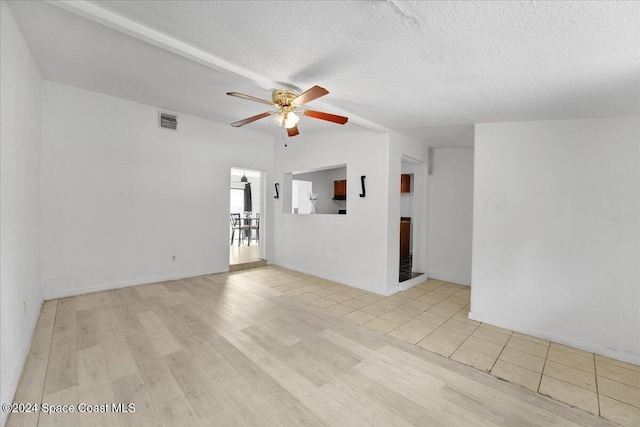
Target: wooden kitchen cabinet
point(405, 238)
point(340, 189)
point(405, 183)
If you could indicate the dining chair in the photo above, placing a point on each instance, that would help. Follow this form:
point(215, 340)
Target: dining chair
point(255, 225)
point(236, 224)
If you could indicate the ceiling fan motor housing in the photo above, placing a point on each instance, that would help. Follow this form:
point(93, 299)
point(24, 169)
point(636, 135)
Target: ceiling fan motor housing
point(283, 98)
point(289, 102)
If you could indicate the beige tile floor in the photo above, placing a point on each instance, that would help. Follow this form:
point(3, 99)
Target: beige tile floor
point(433, 316)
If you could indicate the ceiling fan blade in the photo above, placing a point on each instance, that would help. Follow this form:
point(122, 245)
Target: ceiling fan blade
point(326, 116)
point(293, 131)
point(308, 96)
point(250, 98)
point(252, 119)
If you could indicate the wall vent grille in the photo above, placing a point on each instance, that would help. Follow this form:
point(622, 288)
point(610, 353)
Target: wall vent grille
point(168, 121)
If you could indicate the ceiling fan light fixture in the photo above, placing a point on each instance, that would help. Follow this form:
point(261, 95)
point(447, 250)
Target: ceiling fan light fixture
point(279, 118)
point(291, 120)
point(288, 102)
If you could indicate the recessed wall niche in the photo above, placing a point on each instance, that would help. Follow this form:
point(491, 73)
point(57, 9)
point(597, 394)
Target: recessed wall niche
point(321, 191)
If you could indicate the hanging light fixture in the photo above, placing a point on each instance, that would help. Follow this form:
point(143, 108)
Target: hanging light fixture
point(279, 118)
point(291, 120)
point(289, 103)
point(244, 177)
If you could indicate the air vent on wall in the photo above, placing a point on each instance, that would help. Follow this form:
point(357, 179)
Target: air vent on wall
point(168, 121)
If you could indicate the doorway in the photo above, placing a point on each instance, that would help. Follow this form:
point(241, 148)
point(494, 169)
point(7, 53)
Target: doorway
point(246, 215)
point(412, 221)
point(301, 196)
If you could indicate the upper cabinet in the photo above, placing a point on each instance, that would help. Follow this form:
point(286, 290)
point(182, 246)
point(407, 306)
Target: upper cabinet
point(405, 183)
point(340, 189)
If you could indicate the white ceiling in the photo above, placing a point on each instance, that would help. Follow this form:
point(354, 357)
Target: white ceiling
point(428, 70)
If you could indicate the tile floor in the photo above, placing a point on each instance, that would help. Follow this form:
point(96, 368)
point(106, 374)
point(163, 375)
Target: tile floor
point(433, 315)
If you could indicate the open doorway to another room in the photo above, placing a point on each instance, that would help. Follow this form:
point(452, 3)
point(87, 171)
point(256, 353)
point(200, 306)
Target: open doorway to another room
point(411, 219)
point(301, 197)
point(245, 217)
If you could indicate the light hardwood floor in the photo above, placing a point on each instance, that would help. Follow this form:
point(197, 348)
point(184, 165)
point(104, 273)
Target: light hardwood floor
point(243, 253)
point(231, 349)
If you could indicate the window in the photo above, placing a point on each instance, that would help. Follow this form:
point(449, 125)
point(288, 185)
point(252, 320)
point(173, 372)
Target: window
point(237, 201)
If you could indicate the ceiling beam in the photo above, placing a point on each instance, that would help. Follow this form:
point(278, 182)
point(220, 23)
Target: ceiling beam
point(131, 28)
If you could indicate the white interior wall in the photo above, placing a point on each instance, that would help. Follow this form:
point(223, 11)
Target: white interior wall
point(351, 248)
point(20, 285)
point(451, 215)
point(120, 196)
point(256, 194)
point(556, 232)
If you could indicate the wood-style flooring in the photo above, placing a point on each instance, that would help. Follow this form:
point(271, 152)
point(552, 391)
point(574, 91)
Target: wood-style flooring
point(243, 253)
point(230, 350)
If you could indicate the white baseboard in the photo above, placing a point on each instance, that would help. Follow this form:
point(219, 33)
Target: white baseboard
point(322, 275)
point(23, 359)
point(455, 281)
point(125, 284)
point(571, 342)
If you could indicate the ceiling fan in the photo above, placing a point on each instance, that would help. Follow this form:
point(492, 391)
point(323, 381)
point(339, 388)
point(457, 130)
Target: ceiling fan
point(289, 103)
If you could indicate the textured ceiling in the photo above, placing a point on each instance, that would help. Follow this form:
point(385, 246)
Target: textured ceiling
point(428, 70)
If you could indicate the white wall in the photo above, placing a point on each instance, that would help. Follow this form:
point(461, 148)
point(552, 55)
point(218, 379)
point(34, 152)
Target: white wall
point(120, 196)
point(20, 287)
point(556, 232)
point(351, 248)
point(451, 215)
